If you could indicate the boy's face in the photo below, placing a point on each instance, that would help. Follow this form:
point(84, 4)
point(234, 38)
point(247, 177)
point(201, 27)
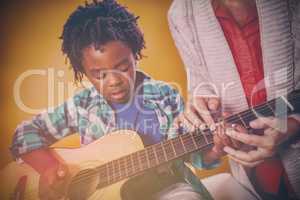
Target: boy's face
point(111, 69)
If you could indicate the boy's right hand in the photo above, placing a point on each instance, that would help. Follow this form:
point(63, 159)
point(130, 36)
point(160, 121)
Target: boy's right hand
point(54, 182)
point(54, 173)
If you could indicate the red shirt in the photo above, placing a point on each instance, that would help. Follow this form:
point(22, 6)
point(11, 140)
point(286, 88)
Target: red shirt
point(244, 43)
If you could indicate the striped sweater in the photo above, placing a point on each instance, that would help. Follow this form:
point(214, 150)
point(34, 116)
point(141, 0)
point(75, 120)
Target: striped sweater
point(211, 69)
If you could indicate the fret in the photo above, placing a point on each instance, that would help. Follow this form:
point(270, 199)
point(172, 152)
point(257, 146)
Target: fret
point(200, 140)
point(102, 171)
point(193, 139)
point(117, 170)
point(270, 107)
point(205, 138)
point(103, 175)
point(173, 147)
point(291, 108)
point(136, 163)
point(169, 149)
point(294, 99)
point(129, 165)
point(244, 124)
point(152, 156)
point(209, 139)
point(159, 152)
point(147, 156)
point(143, 159)
point(177, 146)
point(282, 106)
point(110, 173)
point(188, 142)
point(235, 119)
point(164, 151)
point(180, 138)
point(123, 171)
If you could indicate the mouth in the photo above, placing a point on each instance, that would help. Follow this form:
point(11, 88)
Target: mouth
point(118, 94)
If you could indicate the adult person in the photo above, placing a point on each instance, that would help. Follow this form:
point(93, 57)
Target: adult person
point(237, 54)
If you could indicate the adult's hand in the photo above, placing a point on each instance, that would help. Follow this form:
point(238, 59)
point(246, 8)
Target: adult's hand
point(275, 131)
point(198, 114)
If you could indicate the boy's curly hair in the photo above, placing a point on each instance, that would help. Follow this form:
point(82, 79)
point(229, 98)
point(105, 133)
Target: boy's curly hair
point(98, 23)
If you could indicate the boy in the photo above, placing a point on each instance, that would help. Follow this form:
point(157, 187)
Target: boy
point(103, 42)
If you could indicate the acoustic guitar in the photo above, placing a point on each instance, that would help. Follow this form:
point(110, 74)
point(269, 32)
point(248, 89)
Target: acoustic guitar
point(103, 166)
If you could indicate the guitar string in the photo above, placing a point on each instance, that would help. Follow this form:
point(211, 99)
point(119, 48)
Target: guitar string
point(237, 120)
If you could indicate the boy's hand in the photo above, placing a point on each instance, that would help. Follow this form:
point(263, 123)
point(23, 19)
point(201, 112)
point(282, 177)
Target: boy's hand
point(54, 182)
point(54, 173)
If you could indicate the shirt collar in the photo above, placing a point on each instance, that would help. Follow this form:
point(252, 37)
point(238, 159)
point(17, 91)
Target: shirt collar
point(97, 97)
point(222, 12)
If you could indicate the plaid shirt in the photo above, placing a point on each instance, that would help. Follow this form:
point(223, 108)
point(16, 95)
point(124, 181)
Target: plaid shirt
point(89, 114)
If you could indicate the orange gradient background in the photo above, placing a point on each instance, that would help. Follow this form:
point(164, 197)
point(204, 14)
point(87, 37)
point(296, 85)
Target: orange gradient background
point(30, 31)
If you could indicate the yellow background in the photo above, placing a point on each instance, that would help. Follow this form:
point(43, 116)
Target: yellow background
point(30, 31)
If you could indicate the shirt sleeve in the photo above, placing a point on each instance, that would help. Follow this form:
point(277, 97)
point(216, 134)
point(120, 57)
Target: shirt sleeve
point(188, 47)
point(45, 129)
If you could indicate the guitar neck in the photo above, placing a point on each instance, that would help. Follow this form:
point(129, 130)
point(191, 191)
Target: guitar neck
point(157, 154)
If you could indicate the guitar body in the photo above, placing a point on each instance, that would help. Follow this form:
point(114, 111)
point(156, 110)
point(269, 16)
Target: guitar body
point(20, 181)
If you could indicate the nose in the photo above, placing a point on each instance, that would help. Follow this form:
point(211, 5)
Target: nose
point(113, 79)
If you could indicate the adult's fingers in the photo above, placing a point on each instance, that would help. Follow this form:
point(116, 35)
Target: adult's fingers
point(245, 163)
point(200, 105)
point(181, 121)
point(251, 156)
point(220, 131)
point(218, 144)
point(265, 122)
point(238, 144)
point(192, 117)
point(213, 103)
point(254, 140)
